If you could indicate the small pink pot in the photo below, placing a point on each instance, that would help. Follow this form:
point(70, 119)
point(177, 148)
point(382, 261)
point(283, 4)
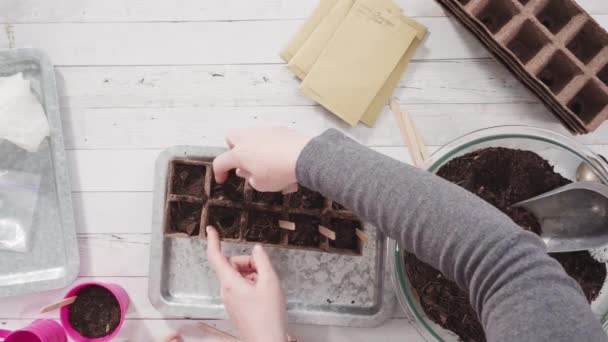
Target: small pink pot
point(40, 330)
point(123, 300)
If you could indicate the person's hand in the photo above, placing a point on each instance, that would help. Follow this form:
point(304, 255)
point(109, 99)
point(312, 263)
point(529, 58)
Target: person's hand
point(251, 292)
point(266, 157)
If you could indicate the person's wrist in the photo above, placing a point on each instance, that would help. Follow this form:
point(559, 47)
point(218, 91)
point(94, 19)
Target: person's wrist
point(298, 148)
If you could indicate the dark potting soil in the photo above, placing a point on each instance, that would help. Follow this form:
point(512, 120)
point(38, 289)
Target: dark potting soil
point(227, 221)
point(185, 217)
point(188, 180)
point(232, 189)
point(306, 199)
point(95, 313)
point(346, 236)
point(272, 198)
point(502, 177)
point(263, 227)
point(307, 231)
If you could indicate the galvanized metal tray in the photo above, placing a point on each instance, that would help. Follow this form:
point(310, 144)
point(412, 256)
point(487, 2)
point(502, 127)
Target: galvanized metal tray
point(53, 259)
point(321, 288)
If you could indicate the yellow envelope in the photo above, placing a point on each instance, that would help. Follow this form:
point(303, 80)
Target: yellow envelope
point(375, 109)
point(358, 60)
point(311, 49)
point(306, 29)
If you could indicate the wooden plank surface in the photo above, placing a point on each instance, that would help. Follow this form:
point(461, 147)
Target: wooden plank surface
point(138, 76)
point(87, 11)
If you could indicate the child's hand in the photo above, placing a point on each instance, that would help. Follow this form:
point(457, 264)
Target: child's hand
point(251, 292)
point(266, 157)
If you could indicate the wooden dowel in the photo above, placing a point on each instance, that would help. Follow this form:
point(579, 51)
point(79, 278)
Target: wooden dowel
point(58, 305)
point(362, 236)
point(211, 330)
point(287, 225)
point(409, 135)
point(328, 233)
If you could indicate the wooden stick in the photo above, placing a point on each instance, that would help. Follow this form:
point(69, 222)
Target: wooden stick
point(211, 330)
point(362, 236)
point(330, 234)
point(58, 305)
point(291, 188)
point(287, 225)
point(424, 151)
point(409, 134)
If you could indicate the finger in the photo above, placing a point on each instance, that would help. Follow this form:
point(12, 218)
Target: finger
point(242, 173)
point(217, 260)
point(253, 183)
point(224, 163)
point(262, 263)
point(242, 263)
point(173, 338)
point(233, 137)
point(252, 277)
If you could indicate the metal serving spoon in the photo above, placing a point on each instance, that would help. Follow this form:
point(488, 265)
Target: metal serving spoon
point(573, 217)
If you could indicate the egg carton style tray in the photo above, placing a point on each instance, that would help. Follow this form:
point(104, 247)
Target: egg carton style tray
point(553, 47)
point(322, 287)
point(53, 260)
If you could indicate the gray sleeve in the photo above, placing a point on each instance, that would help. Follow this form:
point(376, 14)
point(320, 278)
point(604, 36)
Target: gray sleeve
point(519, 292)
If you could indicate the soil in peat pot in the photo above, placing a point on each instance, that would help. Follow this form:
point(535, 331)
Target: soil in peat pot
point(188, 180)
point(306, 233)
point(95, 313)
point(502, 177)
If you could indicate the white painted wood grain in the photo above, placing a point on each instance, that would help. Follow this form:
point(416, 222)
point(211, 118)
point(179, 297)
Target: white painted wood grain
point(112, 212)
point(153, 330)
point(197, 43)
point(238, 42)
point(454, 81)
point(158, 128)
point(34, 11)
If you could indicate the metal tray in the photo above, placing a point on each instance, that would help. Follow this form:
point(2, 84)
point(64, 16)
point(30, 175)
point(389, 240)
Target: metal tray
point(53, 259)
point(321, 288)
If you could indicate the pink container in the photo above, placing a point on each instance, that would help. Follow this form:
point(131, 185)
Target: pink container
point(40, 330)
point(118, 292)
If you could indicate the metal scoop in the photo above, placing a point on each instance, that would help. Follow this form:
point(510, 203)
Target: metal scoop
point(573, 217)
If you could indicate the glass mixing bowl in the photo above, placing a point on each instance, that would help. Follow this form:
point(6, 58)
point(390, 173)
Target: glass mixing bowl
point(565, 154)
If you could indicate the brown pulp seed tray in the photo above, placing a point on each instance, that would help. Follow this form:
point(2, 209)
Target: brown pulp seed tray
point(194, 200)
point(553, 46)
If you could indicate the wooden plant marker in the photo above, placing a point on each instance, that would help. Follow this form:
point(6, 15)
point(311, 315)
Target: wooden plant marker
point(410, 135)
point(287, 225)
point(362, 236)
point(328, 233)
point(60, 304)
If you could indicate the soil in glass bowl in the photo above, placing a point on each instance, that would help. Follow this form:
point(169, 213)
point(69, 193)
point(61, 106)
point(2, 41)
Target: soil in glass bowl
point(501, 177)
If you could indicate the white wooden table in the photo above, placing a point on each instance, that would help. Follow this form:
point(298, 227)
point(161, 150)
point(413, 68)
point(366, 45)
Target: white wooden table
point(137, 76)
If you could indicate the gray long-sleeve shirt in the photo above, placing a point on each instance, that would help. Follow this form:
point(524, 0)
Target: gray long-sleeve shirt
point(519, 292)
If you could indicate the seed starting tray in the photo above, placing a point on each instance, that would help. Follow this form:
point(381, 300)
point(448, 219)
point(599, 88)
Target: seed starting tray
point(324, 284)
point(53, 261)
point(241, 214)
point(554, 47)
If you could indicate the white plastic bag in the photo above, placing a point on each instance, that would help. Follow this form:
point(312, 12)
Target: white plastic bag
point(22, 118)
point(18, 197)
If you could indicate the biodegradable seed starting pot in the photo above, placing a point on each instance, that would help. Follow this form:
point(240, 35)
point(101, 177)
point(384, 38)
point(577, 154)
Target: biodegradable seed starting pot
point(97, 313)
point(40, 330)
point(502, 177)
point(300, 220)
point(554, 48)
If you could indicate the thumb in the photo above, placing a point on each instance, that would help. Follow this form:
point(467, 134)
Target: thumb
point(262, 263)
